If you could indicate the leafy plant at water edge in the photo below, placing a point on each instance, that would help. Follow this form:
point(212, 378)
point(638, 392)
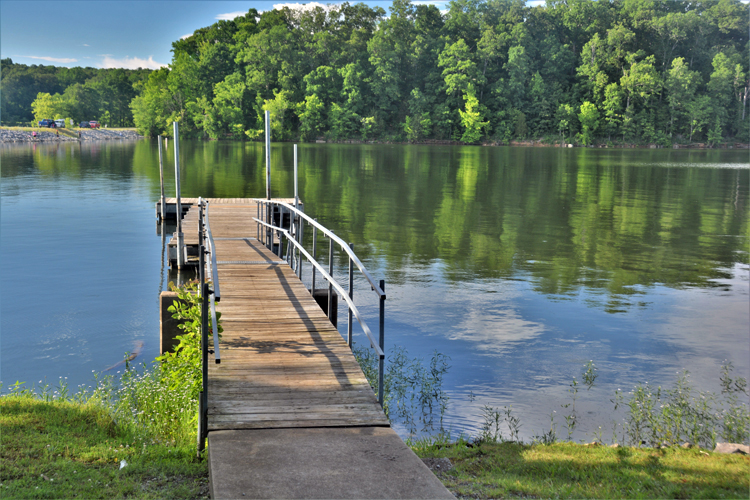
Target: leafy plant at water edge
point(156, 402)
point(412, 393)
point(657, 416)
point(736, 416)
point(184, 364)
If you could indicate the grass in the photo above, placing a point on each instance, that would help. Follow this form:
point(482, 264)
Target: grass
point(132, 435)
point(70, 449)
point(568, 470)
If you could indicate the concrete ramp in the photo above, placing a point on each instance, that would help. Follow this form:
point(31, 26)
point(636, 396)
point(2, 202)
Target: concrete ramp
point(355, 462)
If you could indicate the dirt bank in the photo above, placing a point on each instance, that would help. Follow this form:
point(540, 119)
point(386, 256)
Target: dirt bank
point(52, 135)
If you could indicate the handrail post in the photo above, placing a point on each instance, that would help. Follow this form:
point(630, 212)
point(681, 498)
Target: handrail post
point(330, 273)
point(351, 296)
point(202, 397)
point(257, 226)
point(271, 231)
point(315, 257)
point(381, 362)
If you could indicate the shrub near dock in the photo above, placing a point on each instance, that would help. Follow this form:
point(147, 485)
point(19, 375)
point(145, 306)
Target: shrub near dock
point(132, 435)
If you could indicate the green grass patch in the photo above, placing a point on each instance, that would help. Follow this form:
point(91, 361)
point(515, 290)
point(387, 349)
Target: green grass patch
point(69, 449)
point(568, 470)
point(132, 435)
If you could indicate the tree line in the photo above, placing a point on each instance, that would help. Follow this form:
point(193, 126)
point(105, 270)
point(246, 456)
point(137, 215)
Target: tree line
point(651, 71)
point(31, 93)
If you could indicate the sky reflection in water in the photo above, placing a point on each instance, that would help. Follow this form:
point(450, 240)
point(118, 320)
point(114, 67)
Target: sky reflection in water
point(521, 264)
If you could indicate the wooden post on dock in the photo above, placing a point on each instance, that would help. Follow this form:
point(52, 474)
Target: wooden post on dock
point(178, 233)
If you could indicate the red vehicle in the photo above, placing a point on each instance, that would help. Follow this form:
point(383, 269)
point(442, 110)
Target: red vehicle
point(94, 124)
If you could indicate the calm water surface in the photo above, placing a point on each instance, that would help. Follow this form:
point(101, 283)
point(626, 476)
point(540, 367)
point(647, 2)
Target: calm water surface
point(521, 264)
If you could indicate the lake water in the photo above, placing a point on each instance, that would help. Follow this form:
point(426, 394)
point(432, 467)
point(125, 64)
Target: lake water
point(521, 264)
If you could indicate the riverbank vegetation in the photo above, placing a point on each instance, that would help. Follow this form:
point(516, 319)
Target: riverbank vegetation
point(133, 434)
point(569, 470)
point(128, 434)
point(585, 71)
point(645, 416)
point(589, 72)
point(31, 93)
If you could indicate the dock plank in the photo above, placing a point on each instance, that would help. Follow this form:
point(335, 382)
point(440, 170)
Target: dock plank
point(283, 364)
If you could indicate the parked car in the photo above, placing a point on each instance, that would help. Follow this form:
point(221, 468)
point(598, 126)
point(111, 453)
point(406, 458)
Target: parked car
point(60, 123)
point(84, 125)
point(47, 123)
point(94, 124)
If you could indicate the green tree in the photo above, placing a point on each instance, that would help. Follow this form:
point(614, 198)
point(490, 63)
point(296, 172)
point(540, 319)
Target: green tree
point(460, 69)
point(471, 118)
point(681, 85)
point(589, 120)
point(153, 109)
point(49, 106)
point(310, 114)
point(699, 113)
point(612, 108)
point(566, 118)
point(720, 87)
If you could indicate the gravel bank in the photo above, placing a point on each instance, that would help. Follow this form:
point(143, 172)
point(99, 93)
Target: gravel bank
point(47, 135)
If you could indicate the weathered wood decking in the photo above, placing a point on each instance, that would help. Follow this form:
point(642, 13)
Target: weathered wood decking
point(282, 362)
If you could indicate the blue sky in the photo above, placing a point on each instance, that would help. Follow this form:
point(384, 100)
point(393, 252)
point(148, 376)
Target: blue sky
point(105, 34)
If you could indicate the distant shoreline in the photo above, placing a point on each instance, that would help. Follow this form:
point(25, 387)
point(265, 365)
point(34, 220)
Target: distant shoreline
point(10, 136)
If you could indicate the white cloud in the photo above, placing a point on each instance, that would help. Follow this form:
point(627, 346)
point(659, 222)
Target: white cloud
point(86, 45)
point(230, 15)
point(52, 59)
point(184, 37)
point(131, 63)
point(535, 3)
point(303, 7)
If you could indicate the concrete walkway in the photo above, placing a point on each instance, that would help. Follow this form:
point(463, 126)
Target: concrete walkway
point(290, 413)
point(356, 462)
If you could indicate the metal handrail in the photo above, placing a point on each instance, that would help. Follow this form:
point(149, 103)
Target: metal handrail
point(333, 282)
point(344, 246)
point(352, 308)
point(213, 276)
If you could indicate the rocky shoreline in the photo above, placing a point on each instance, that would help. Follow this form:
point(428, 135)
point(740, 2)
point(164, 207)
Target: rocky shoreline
point(51, 135)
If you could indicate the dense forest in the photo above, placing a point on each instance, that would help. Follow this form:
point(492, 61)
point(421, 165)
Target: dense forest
point(648, 71)
point(30, 93)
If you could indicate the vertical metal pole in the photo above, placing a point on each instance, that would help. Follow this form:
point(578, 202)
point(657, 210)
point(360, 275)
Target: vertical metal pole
point(296, 184)
point(271, 231)
point(330, 273)
point(351, 296)
point(180, 236)
point(202, 399)
point(268, 172)
point(257, 226)
point(161, 181)
point(314, 256)
point(381, 362)
point(296, 220)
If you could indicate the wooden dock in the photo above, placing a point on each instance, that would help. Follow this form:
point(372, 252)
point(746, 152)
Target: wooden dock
point(283, 364)
point(285, 368)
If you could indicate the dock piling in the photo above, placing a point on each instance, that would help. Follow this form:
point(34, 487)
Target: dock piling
point(180, 236)
point(161, 182)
